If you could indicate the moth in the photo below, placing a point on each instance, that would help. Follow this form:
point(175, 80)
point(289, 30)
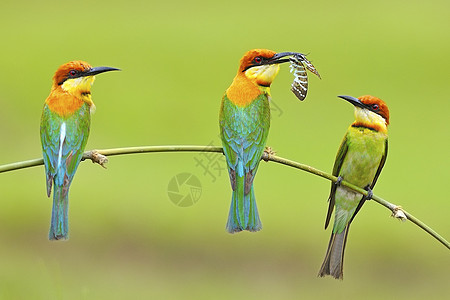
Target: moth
point(300, 84)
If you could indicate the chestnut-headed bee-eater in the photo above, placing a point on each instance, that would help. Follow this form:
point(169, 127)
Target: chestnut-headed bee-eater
point(244, 126)
point(65, 126)
point(359, 161)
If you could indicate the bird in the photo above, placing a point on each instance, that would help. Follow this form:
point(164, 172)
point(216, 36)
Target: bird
point(359, 161)
point(244, 122)
point(64, 131)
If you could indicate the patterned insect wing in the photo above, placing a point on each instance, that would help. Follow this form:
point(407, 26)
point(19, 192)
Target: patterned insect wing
point(300, 84)
point(308, 64)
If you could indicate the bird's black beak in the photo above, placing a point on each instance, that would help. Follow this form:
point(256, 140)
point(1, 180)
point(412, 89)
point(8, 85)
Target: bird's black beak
point(98, 70)
point(354, 101)
point(278, 58)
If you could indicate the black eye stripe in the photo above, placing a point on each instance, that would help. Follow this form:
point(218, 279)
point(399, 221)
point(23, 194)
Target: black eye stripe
point(257, 61)
point(71, 74)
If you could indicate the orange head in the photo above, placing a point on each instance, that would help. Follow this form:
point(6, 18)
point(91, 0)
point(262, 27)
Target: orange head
point(254, 58)
point(69, 70)
point(370, 111)
point(257, 70)
point(377, 106)
point(72, 86)
point(260, 66)
point(77, 76)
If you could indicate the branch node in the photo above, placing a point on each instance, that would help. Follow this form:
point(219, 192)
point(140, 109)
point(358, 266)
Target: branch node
point(267, 154)
point(98, 158)
point(398, 213)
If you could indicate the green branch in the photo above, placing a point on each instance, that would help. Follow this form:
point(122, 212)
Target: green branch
point(99, 156)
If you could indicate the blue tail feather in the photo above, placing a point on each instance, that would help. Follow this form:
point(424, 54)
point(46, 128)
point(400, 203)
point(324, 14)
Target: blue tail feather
point(243, 211)
point(59, 227)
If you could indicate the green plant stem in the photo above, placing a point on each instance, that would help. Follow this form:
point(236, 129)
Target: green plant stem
point(93, 155)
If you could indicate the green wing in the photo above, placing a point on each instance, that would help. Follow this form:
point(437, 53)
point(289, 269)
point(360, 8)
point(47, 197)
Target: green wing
point(342, 152)
point(244, 133)
point(380, 167)
point(63, 142)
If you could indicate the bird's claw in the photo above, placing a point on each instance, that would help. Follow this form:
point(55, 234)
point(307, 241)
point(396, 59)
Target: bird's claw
point(268, 152)
point(369, 193)
point(339, 181)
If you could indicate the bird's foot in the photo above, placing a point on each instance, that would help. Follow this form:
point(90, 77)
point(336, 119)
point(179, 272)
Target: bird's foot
point(369, 193)
point(398, 213)
point(268, 152)
point(339, 181)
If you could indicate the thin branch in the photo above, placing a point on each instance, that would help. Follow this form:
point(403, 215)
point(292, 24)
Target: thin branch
point(21, 165)
point(114, 151)
point(397, 211)
point(99, 156)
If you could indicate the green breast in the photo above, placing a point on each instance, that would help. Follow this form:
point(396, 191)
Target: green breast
point(365, 150)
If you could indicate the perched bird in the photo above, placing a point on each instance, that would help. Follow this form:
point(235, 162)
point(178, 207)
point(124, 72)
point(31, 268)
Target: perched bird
point(244, 126)
point(65, 125)
point(359, 161)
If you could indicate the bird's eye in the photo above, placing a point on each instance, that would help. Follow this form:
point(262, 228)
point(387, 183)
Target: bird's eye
point(257, 60)
point(73, 72)
point(375, 106)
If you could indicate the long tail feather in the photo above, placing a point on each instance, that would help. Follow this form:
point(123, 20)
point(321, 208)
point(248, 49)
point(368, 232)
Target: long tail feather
point(59, 227)
point(243, 211)
point(334, 259)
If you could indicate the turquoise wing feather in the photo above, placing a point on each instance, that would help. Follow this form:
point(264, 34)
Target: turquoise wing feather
point(244, 133)
point(63, 142)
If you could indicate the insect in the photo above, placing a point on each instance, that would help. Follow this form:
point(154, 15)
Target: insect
point(300, 84)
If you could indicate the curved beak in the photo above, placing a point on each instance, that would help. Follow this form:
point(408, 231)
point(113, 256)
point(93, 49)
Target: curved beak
point(98, 70)
point(354, 101)
point(278, 58)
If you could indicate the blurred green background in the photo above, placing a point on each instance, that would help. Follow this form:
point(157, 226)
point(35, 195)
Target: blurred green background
point(129, 241)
